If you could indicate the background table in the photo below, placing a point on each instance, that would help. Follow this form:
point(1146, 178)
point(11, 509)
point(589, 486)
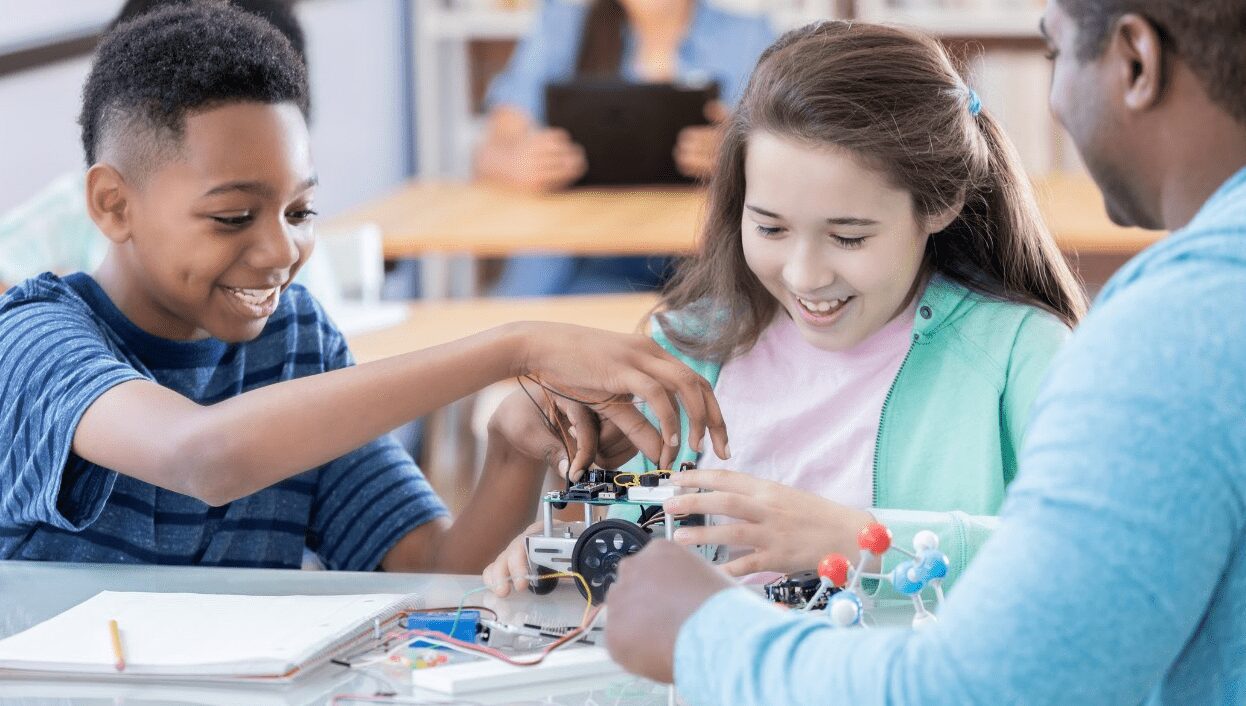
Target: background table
point(431, 323)
point(489, 221)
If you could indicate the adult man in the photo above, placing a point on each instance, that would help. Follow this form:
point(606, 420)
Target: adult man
point(1118, 574)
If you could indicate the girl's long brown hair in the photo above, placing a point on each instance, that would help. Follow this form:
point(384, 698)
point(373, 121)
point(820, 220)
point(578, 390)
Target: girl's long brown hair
point(892, 97)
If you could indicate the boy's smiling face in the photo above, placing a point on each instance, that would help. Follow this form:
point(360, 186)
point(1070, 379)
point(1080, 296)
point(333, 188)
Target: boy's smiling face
point(206, 241)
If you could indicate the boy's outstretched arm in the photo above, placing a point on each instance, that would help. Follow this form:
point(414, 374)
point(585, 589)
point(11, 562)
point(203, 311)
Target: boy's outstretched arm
point(231, 449)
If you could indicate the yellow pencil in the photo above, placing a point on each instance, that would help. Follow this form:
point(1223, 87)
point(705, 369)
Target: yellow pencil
point(115, 631)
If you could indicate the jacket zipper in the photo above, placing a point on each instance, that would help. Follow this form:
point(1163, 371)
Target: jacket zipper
point(878, 438)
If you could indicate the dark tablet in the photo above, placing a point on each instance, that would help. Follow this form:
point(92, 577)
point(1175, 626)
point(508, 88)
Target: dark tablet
point(628, 130)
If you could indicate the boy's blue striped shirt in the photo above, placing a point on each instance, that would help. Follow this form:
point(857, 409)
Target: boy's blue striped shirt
point(63, 344)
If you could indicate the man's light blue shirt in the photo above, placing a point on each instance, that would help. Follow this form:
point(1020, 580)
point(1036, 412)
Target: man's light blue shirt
point(1118, 573)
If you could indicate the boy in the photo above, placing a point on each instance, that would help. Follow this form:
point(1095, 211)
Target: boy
point(186, 404)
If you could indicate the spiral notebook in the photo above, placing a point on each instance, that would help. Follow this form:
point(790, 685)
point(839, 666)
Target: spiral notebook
point(193, 635)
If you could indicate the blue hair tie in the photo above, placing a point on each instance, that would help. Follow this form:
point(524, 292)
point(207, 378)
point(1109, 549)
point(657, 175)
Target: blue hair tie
point(975, 103)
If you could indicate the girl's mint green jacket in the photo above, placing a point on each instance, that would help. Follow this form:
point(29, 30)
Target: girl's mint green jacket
point(953, 420)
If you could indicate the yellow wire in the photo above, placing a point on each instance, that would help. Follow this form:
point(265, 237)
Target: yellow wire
point(588, 595)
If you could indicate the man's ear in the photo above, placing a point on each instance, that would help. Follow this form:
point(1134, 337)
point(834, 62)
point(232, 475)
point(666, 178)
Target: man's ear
point(1138, 52)
point(108, 202)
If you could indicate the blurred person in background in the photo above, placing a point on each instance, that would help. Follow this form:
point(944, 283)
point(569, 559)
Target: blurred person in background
point(641, 41)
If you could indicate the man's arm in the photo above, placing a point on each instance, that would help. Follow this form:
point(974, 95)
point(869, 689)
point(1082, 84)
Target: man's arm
point(1111, 545)
point(231, 449)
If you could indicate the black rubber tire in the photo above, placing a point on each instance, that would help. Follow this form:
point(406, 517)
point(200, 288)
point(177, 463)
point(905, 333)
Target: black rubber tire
point(599, 550)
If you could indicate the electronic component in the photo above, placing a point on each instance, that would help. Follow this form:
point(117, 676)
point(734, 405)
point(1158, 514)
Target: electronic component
point(588, 491)
point(464, 628)
point(796, 590)
point(663, 490)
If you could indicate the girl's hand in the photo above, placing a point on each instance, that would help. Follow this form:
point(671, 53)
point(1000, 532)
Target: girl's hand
point(604, 370)
point(510, 570)
point(522, 426)
point(696, 149)
point(788, 529)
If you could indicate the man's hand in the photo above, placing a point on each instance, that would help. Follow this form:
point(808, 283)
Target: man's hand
point(787, 529)
point(657, 590)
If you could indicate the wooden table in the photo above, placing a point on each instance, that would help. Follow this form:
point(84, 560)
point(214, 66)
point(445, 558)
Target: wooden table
point(487, 221)
point(440, 321)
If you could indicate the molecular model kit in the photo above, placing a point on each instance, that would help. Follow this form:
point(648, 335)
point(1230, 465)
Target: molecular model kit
point(835, 588)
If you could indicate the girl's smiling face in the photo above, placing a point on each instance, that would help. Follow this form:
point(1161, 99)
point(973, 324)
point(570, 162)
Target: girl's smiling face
point(833, 241)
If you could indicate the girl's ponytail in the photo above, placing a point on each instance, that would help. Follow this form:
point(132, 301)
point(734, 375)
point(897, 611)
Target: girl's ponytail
point(1000, 245)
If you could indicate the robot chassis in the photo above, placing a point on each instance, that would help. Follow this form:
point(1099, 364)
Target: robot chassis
point(594, 549)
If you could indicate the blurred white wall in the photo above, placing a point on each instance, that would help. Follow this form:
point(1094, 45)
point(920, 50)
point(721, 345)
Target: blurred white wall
point(39, 138)
point(359, 130)
point(360, 137)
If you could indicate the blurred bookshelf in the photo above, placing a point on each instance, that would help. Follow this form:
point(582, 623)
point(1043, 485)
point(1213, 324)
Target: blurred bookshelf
point(460, 44)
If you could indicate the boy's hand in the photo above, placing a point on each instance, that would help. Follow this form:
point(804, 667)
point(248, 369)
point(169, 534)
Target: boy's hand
point(787, 529)
point(696, 148)
point(510, 569)
point(605, 370)
point(657, 590)
point(521, 424)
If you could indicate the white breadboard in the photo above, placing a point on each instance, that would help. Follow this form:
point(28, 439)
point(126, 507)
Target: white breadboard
point(467, 677)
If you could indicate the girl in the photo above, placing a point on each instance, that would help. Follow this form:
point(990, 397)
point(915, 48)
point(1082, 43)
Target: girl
point(875, 301)
point(643, 41)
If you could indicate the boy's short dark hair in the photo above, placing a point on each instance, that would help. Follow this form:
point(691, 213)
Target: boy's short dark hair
point(279, 13)
point(151, 72)
point(1209, 35)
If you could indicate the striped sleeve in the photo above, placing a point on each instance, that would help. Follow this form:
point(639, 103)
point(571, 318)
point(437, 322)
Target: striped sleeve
point(54, 364)
point(368, 499)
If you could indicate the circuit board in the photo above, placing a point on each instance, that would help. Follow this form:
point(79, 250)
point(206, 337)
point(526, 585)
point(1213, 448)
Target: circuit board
point(610, 487)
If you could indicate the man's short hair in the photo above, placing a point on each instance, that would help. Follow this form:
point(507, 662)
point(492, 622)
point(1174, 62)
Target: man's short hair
point(1208, 35)
point(151, 72)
